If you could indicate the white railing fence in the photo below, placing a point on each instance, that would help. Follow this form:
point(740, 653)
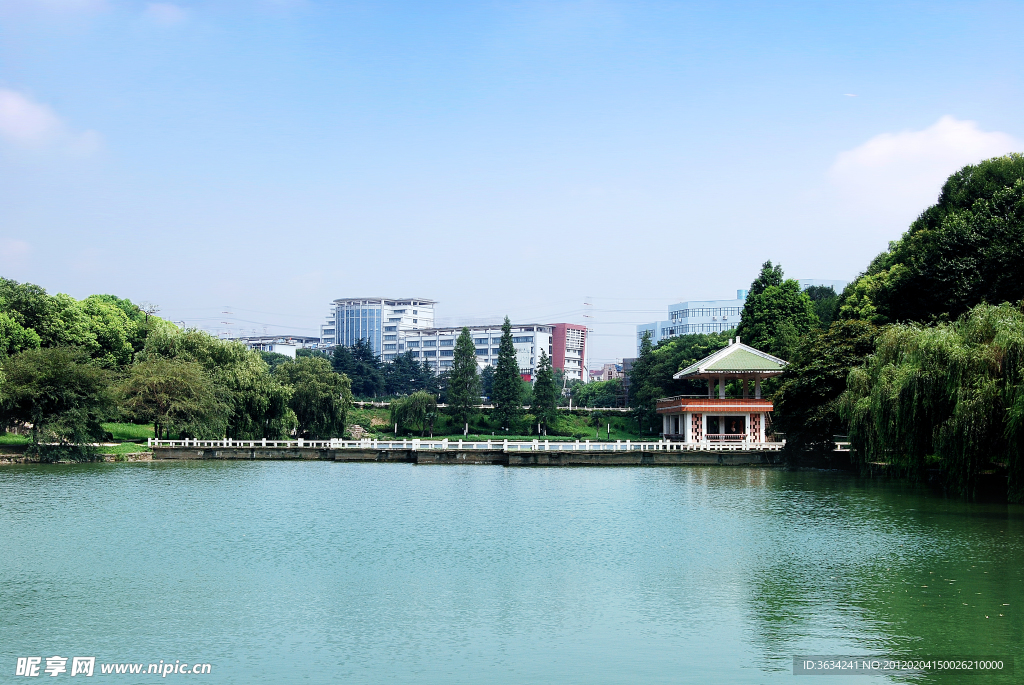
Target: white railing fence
point(417, 444)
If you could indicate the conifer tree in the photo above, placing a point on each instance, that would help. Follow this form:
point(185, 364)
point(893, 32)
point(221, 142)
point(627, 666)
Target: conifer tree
point(545, 393)
point(507, 397)
point(463, 382)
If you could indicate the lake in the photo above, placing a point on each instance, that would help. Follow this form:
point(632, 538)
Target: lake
point(289, 572)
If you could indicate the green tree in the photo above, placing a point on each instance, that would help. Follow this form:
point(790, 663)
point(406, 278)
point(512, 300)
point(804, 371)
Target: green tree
point(414, 412)
point(545, 394)
point(807, 402)
point(598, 393)
point(964, 250)
point(61, 392)
point(113, 331)
point(776, 313)
point(463, 382)
point(177, 396)
point(508, 386)
point(320, 397)
point(13, 336)
point(948, 396)
point(487, 381)
point(825, 302)
point(362, 366)
point(257, 400)
point(644, 390)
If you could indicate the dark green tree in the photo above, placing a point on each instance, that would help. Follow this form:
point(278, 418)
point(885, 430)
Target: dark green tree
point(507, 395)
point(807, 401)
point(487, 381)
point(825, 302)
point(363, 367)
point(545, 395)
point(776, 313)
point(405, 375)
point(62, 393)
point(320, 397)
point(643, 385)
point(463, 381)
point(964, 250)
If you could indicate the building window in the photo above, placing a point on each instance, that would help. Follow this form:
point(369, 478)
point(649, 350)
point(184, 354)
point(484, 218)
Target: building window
point(447, 353)
point(389, 357)
point(523, 339)
point(390, 328)
point(391, 337)
point(430, 354)
point(413, 343)
point(415, 321)
point(447, 343)
point(495, 350)
point(392, 346)
point(481, 351)
point(430, 343)
point(479, 341)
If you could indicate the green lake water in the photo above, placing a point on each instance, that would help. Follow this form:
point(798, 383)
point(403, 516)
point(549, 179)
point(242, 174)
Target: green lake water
point(317, 572)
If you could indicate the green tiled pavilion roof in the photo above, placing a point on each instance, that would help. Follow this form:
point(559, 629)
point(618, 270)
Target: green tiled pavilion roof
point(737, 359)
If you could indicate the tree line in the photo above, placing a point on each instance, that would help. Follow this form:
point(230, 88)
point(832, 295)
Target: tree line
point(67, 366)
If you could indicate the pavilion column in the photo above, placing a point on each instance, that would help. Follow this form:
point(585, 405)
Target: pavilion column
point(757, 388)
point(746, 389)
point(711, 388)
point(721, 387)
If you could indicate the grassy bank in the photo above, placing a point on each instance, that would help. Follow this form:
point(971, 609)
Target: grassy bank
point(578, 424)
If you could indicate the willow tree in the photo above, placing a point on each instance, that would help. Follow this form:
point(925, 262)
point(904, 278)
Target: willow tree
point(949, 396)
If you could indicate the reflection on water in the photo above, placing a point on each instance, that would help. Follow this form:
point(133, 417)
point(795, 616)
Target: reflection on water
point(276, 572)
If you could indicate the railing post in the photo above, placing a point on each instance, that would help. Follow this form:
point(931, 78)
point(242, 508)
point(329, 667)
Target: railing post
point(504, 447)
point(536, 445)
point(444, 444)
point(627, 445)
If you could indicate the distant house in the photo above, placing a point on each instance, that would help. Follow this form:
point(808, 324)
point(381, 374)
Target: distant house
point(606, 372)
point(714, 417)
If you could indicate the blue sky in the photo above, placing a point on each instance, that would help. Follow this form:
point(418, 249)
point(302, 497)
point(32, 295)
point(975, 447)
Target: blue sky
point(266, 157)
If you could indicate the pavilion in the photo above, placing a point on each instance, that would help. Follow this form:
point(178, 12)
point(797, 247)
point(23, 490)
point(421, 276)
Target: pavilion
point(697, 419)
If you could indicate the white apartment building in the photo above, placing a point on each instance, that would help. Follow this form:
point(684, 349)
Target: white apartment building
point(436, 346)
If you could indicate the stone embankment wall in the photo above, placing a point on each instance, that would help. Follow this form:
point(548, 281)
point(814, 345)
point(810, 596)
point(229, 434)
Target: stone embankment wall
point(497, 457)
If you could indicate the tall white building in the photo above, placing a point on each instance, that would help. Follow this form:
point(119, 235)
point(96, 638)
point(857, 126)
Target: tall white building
point(381, 320)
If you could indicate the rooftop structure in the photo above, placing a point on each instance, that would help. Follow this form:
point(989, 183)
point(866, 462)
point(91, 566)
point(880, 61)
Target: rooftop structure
point(281, 344)
point(707, 418)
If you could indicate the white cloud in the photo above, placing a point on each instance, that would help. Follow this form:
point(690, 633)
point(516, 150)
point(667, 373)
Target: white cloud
point(166, 13)
point(899, 174)
point(29, 124)
point(25, 122)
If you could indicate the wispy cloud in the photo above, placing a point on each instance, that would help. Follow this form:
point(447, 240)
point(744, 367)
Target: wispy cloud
point(29, 124)
point(901, 173)
point(165, 13)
